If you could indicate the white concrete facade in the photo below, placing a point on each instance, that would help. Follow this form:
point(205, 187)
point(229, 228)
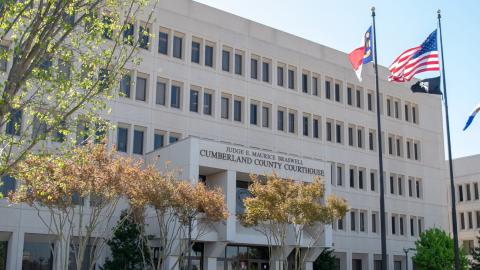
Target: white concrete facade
point(289, 96)
point(467, 181)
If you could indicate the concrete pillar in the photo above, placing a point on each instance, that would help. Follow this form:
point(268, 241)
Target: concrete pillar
point(348, 260)
point(227, 180)
point(15, 250)
point(370, 261)
point(390, 260)
point(212, 250)
point(210, 263)
point(308, 266)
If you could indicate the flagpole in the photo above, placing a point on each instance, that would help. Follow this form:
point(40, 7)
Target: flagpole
point(380, 152)
point(452, 182)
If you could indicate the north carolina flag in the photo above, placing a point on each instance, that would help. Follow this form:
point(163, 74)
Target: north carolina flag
point(363, 54)
point(472, 116)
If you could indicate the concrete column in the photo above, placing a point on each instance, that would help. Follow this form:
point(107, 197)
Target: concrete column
point(370, 261)
point(348, 260)
point(227, 180)
point(210, 264)
point(308, 266)
point(212, 250)
point(390, 260)
point(15, 251)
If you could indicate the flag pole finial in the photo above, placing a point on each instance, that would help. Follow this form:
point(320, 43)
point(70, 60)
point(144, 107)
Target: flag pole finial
point(373, 11)
point(439, 12)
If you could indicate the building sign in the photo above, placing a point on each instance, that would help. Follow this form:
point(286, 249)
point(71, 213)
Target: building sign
point(260, 158)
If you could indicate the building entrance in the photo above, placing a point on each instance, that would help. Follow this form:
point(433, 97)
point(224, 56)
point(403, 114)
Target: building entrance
point(246, 258)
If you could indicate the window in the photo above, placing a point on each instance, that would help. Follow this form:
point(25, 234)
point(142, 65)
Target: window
point(394, 221)
point(138, 142)
point(470, 220)
point(352, 177)
point(370, 101)
point(158, 140)
point(329, 131)
point(177, 47)
point(160, 93)
point(265, 71)
point(237, 110)
point(37, 255)
point(339, 175)
point(238, 63)
point(254, 69)
point(477, 214)
point(254, 114)
point(280, 120)
point(397, 109)
point(291, 78)
point(175, 97)
point(362, 221)
point(194, 100)
point(409, 146)
point(349, 95)
point(469, 196)
point(462, 221)
point(195, 52)
point(360, 178)
point(207, 103)
point(390, 145)
point(412, 226)
point(163, 42)
point(306, 121)
point(339, 133)
point(291, 122)
point(340, 224)
point(14, 123)
point(407, 109)
point(392, 184)
point(3, 60)
point(374, 222)
point(316, 128)
point(475, 190)
point(39, 129)
point(141, 89)
point(315, 86)
point(399, 147)
point(401, 225)
point(400, 186)
point(7, 185)
point(125, 84)
point(352, 221)
point(416, 149)
point(280, 72)
point(417, 186)
point(225, 108)
point(173, 138)
point(304, 83)
point(372, 181)
point(414, 114)
point(359, 98)
point(460, 193)
point(389, 107)
point(371, 140)
point(350, 136)
point(265, 116)
point(328, 90)
point(107, 27)
point(410, 187)
point(122, 139)
point(360, 137)
point(337, 92)
point(420, 225)
point(208, 55)
point(144, 37)
point(226, 60)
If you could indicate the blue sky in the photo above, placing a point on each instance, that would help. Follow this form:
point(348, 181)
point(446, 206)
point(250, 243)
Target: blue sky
point(400, 25)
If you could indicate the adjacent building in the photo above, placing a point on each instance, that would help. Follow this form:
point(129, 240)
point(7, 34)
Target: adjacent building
point(467, 179)
point(212, 83)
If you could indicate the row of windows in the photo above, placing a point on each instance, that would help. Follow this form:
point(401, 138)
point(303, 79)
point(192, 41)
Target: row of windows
point(367, 180)
point(465, 194)
point(466, 220)
point(132, 139)
point(358, 221)
point(203, 52)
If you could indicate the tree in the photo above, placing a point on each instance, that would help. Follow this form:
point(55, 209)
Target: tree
point(180, 209)
point(128, 246)
point(59, 63)
point(56, 185)
point(326, 260)
point(475, 259)
point(277, 205)
point(434, 251)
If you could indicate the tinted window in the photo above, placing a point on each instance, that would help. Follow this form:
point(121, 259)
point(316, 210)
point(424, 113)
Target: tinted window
point(266, 72)
point(237, 110)
point(143, 37)
point(195, 52)
point(141, 89)
point(7, 185)
point(158, 141)
point(254, 69)
point(225, 108)
point(291, 123)
point(280, 116)
point(207, 103)
point(280, 76)
point(193, 101)
point(175, 97)
point(291, 79)
point(163, 43)
point(253, 114)
point(225, 60)
point(14, 124)
point(160, 93)
point(209, 56)
point(125, 85)
point(177, 47)
point(238, 64)
point(138, 142)
point(122, 139)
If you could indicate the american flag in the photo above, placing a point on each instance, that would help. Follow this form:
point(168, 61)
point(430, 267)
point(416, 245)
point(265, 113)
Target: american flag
point(416, 60)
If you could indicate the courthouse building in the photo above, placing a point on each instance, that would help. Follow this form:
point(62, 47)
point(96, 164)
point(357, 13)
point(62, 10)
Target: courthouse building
point(467, 179)
point(221, 96)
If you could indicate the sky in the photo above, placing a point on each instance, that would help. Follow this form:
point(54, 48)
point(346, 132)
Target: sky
point(340, 24)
